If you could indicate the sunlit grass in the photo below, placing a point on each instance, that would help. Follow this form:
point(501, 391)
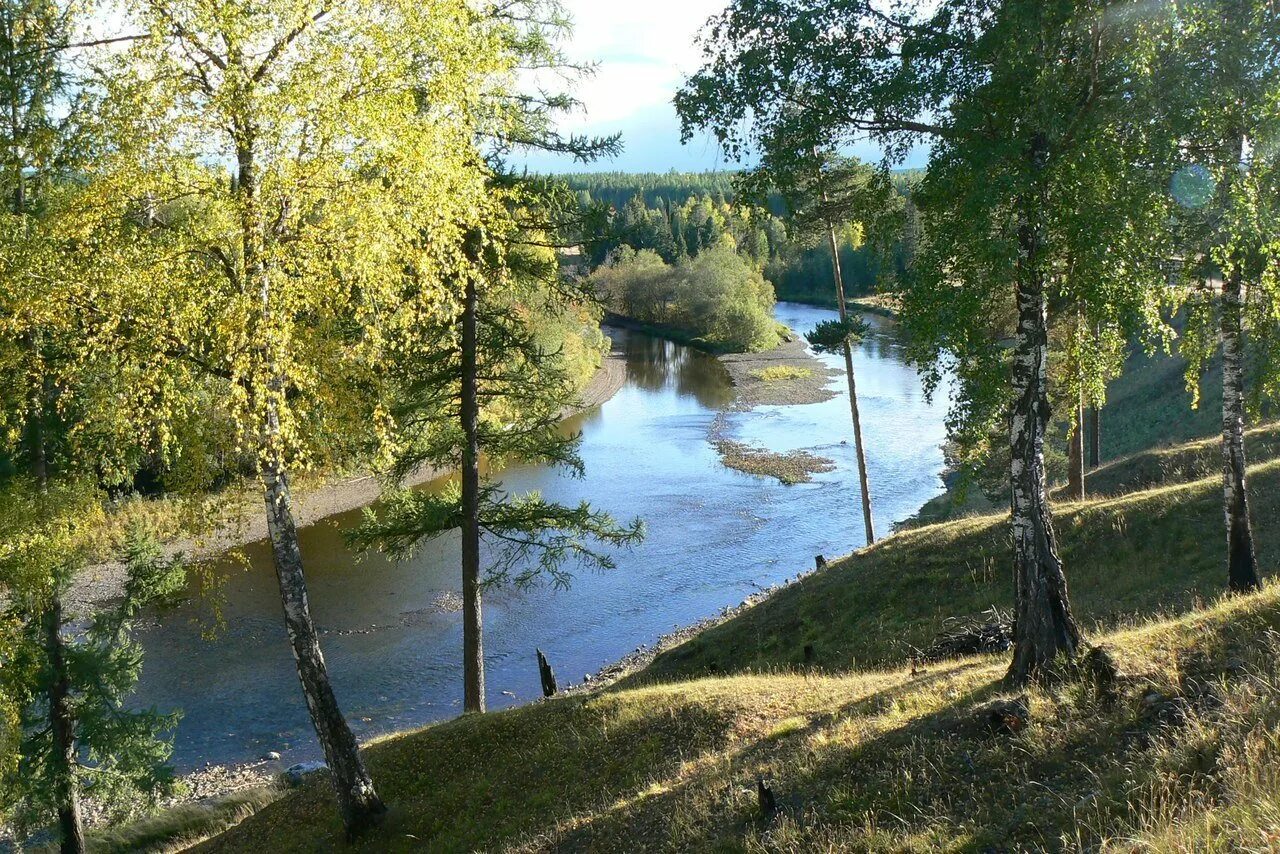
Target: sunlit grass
point(782, 373)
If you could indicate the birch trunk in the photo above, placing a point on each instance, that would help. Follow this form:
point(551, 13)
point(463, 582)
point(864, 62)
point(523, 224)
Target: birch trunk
point(863, 481)
point(1242, 560)
point(1045, 632)
point(358, 801)
point(472, 621)
point(62, 730)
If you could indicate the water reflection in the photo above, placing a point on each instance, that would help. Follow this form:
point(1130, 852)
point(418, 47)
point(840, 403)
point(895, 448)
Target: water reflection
point(714, 535)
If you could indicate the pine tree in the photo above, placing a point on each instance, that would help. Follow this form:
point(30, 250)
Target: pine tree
point(491, 389)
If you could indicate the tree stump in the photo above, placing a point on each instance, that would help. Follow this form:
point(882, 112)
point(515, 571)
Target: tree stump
point(764, 796)
point(548, 676)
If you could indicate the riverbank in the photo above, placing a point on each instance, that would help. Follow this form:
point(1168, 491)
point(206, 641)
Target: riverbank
point(883, 305)
point(243, 521)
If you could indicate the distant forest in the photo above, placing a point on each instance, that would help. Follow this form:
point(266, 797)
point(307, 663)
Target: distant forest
point(677, 214)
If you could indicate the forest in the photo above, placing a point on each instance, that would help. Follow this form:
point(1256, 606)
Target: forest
point(270, 264)
point(676, 215)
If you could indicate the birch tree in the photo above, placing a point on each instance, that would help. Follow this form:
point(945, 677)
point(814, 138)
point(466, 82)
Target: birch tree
point(1222, 71)
point(287, 165)
point(1008, 95)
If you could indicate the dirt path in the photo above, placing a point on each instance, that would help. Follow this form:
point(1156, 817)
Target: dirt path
point(104, 582)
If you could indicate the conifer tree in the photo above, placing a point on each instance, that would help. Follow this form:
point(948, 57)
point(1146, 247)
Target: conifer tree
point(76, 732)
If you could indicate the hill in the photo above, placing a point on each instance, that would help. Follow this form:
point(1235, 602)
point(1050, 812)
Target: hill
point(861, 750)
point(1178, 752)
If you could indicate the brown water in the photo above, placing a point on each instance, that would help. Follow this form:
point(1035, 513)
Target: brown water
point(714, 537)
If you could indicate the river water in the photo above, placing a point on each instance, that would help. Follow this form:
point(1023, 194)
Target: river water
point(714, 537)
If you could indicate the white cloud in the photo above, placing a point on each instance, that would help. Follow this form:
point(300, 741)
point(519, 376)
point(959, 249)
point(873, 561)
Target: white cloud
point(642, 51)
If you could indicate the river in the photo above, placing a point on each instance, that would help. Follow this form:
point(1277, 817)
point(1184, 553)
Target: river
point(714, 537)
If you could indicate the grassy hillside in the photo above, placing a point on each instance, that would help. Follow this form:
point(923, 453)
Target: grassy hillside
point(1178, 463)
point(1185, 745)
point(861, 751)
point(1142, 553)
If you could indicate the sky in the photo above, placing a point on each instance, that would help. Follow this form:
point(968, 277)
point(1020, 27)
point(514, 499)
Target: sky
point(643, 51)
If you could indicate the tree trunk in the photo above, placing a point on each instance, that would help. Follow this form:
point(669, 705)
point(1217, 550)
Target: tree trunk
point(472, 623)
point(358, 801)
point(1242, 560)
point(863, 480)
point(1075, 455)
point(1045, 632)
point(62, 729)
point(1095, 437)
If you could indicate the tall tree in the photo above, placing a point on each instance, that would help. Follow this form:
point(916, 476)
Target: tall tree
point(1223, 64)
point(827, 196)
point(491, 387)
point(290, 163)
point(1009, 95)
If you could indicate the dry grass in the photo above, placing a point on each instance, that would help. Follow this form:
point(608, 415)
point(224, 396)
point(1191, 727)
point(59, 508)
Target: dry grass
point(1181, 758)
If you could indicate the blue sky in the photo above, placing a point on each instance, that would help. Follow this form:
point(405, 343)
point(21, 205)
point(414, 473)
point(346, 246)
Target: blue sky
point(644, 50)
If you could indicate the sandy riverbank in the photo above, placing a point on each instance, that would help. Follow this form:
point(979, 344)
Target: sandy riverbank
point(248, 524)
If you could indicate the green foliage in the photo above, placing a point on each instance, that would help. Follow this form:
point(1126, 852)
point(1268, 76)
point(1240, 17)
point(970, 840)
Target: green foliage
point(654, 190)
point(717, 297)
point(679, 215)
point(524, 390)
point(122, 753)
point(831, 336)
point(1220, 110)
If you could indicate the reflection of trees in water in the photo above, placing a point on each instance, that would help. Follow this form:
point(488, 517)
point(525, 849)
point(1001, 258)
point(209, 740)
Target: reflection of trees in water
point(654, 364)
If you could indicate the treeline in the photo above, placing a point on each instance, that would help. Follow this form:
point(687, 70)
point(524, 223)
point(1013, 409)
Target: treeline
point(654, 189)
point(678, 214)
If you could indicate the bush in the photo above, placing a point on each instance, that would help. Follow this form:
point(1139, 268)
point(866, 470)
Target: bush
point(717, 297)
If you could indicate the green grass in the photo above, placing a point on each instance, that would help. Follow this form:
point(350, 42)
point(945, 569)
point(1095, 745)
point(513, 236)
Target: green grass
point(861, 752)
point(180, 826)
point(782, 373)
point(1149, 552)
point(873, 761)
point(1178, 464)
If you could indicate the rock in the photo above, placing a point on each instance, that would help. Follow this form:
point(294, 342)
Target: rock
point(294, 775)
point(271, 756)
point(1006, 717)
